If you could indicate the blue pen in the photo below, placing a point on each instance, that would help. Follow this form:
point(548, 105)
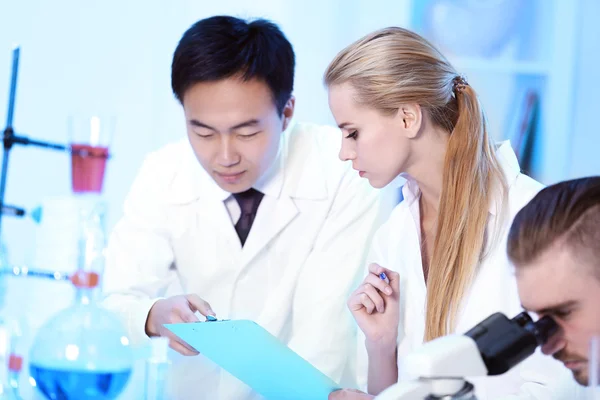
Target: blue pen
point(384, 277)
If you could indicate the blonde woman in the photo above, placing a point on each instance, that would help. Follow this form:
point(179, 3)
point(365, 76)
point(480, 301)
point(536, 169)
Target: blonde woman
point(404, 111)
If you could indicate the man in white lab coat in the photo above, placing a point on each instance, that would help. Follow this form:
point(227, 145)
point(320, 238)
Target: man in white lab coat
point(252, 217)
point(554, 243)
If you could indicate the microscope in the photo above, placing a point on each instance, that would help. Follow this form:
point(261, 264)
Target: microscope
point(492, 347)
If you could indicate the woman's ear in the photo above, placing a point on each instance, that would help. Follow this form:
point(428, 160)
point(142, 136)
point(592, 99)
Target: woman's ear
point(411, 117)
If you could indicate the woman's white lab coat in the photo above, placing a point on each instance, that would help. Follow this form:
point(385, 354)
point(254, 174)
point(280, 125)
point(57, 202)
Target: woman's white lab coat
point(303, 256)
point(397, 245)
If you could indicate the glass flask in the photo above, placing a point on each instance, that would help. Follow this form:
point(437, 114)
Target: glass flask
point(83, 352)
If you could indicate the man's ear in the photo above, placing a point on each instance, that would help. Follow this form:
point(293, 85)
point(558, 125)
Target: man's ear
point(288, 112)
point(410, 117)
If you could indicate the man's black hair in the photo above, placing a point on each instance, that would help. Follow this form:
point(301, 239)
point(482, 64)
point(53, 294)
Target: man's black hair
point(221, 47)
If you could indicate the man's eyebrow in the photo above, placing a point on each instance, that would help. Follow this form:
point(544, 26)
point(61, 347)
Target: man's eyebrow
point(552, 309)
point(250, 122)
point(196, 123)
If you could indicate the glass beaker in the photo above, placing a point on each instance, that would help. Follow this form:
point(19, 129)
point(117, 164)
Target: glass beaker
point(90, 141)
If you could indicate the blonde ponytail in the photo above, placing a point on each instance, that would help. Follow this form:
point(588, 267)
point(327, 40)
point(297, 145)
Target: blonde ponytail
point(470, 167)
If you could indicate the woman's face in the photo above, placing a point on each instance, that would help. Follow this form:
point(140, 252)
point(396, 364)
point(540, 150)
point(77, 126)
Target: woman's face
point(377, 144)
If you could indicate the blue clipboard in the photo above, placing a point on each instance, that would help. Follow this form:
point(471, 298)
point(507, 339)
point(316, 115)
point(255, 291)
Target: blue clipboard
point(250, 353)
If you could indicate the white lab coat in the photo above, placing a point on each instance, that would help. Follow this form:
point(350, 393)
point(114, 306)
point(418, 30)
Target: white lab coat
point(397, 245)
point(569, 389)
point(303, 256)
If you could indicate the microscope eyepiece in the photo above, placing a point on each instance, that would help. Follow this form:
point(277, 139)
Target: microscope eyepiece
point(542, 329)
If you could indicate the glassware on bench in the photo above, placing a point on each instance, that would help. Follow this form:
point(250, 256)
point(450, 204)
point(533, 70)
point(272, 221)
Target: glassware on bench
point(90, 141)
point(8, 364)
point(83, 352)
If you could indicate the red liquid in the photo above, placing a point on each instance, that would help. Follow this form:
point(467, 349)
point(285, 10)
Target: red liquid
point(87, 170)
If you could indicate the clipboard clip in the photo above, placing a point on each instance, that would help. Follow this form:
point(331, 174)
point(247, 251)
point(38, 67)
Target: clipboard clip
point(210, 318)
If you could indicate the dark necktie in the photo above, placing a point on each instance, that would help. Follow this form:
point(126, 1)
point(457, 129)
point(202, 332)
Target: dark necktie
point(249, 202)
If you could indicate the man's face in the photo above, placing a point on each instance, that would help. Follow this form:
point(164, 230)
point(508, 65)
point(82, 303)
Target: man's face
point(234, 129)
point(563, 285)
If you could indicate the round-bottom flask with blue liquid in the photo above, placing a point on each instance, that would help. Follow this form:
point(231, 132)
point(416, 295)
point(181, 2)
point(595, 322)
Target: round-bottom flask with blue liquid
point(83, 352)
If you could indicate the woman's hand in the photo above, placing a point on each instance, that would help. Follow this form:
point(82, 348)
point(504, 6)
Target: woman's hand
point(375, 306)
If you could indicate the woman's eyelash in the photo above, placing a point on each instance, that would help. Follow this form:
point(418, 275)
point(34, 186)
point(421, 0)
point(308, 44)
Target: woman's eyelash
point(352, 135)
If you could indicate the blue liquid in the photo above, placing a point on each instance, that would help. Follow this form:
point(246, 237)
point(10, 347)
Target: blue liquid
point(58, 384)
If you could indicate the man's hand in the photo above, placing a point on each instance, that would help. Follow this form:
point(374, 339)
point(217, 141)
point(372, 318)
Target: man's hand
point(174, 310)
point(349, 394)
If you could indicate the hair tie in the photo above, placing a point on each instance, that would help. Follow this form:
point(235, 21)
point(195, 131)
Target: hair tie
point(459, 83)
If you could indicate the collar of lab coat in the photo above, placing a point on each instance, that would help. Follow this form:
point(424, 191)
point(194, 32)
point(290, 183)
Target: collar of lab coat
point(508, 164)
point(283, 177)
